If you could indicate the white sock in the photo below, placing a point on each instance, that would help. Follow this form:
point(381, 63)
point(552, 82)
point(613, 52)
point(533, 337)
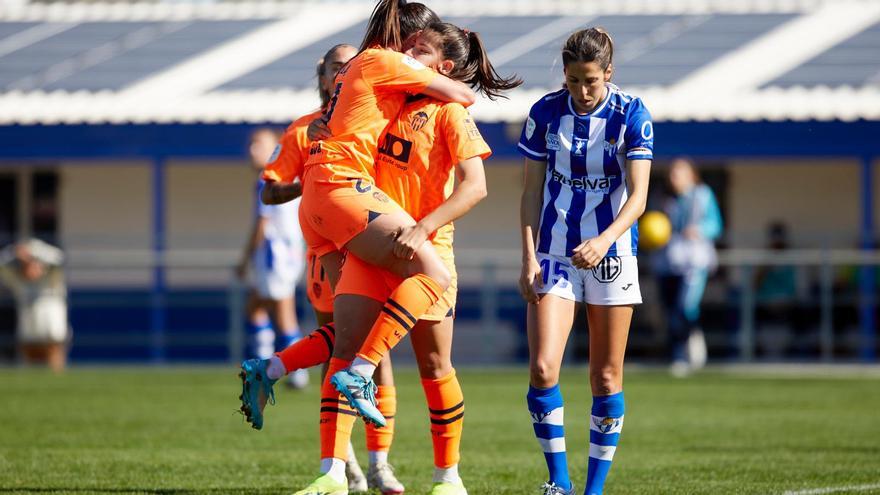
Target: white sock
point(275, 369)
point(352, 456)
point(335, 468)
point(447, 475)
point(265, 339)
point(363, 367)
point(378, 457)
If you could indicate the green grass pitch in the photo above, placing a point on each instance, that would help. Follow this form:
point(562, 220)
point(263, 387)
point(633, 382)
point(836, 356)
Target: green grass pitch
point(175, 430)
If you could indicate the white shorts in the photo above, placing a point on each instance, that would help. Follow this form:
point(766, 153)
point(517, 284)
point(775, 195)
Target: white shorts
point(276, 272)
point(614, 282)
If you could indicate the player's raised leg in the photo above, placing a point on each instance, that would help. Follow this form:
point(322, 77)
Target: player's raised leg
point(609, 328)
point(425, 279)
point(549, 324)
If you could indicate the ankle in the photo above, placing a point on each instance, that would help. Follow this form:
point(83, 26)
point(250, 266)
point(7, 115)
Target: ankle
point(447, 474)
point(275, 369)
point(363, 367)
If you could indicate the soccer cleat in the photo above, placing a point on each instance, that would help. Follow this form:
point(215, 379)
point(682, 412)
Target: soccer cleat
point(325, 485)
point(381, 477)
point(448, 489)
point(357, 482)
point(361, 394)
point(549, 488)
point(256, 390)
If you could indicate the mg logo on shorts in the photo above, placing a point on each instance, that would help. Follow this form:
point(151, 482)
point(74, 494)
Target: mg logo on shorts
point(607, 270)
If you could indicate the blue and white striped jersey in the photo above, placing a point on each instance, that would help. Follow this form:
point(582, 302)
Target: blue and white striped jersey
point(585, 186)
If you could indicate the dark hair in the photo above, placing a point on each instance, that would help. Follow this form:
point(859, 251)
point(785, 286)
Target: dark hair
point(321, 69)
point(472, 66)
point(589, 45)
point(393, 21)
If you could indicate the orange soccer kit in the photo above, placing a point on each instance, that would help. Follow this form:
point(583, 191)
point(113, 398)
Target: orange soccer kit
point(286, 166)
point(415, 167)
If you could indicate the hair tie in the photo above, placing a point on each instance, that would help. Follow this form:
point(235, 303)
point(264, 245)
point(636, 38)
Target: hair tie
point(466, 32)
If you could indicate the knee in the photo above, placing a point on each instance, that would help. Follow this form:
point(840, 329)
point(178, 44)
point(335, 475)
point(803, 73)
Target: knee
point(441, 275)
point(543, 374)
point(434, 366)
point(606, 380)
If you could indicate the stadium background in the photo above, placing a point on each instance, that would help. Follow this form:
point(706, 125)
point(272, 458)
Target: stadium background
point(123, 133)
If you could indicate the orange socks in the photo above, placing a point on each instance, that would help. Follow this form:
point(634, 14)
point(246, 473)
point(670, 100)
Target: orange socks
point(313, 350)
point(337, 416)
point(406, 304)
point(446, 408)
point(379, 439)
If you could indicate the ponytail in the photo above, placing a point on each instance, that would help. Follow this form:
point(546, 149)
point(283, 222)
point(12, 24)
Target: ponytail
point(484, 76)
point(383, 28)
point(471, 62)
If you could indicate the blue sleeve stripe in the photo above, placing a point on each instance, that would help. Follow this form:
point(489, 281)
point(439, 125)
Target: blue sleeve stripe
point(604, 439)
point(549, 431)
point(531, 154)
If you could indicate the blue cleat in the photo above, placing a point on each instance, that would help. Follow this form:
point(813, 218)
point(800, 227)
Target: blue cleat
point(256, 390)
point(361, 394)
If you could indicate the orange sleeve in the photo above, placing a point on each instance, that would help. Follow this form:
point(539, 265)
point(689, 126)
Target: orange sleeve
point(394, 71)
point(461, 132)
point(286, 164)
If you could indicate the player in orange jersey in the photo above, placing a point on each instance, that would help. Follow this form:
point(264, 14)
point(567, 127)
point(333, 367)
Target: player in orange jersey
point(416, 157)
point(282, 178)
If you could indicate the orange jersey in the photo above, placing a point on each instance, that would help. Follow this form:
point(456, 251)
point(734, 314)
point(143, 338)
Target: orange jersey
point(370, 91)
point(418, 153)
point(290, 157)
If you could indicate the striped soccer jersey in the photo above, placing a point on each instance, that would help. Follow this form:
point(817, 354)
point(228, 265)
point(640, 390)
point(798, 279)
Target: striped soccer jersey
point(585, 186)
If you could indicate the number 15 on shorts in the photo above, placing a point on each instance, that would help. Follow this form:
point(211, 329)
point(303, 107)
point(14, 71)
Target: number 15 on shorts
point(559, 273)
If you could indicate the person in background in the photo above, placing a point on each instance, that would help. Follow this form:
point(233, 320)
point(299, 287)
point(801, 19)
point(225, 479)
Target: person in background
point(274, 256)
point(776, 296)
point(32, 271)
point(685, 263)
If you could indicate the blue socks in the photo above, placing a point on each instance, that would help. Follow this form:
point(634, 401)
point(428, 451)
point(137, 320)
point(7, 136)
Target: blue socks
point(546, 408)
point(605, 425)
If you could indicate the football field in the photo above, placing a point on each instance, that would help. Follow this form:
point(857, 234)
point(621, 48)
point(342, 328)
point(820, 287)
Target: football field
point(176, 430)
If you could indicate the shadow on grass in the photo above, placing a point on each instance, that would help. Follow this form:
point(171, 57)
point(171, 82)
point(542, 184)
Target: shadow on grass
point(136, 491)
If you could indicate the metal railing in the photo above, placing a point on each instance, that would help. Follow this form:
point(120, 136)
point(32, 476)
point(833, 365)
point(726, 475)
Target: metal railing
point(198, 282)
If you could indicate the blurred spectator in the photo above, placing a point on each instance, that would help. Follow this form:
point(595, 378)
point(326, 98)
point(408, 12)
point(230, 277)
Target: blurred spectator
point(685, 263)
point(274, 255)
point(32, 271)
point(775, 296)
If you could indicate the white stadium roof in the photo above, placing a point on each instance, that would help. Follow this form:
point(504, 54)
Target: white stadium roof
point(698, 60)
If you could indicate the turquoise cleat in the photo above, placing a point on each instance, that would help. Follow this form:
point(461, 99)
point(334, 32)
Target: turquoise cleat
point(361, 394)
point(256, 390)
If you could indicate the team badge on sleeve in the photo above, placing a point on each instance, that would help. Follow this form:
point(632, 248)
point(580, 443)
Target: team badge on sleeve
point(530, 128)
point(472, 130)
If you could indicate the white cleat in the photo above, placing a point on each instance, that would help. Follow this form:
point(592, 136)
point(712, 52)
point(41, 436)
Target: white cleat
point(553, 489)
point(381, 477)
point(357, 482)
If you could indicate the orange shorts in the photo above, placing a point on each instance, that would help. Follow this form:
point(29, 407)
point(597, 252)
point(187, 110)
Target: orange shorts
point(335, 208)
point(363, 279)
point(318, 285)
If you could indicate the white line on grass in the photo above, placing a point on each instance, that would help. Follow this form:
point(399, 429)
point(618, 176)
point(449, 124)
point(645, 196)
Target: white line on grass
point(835, 489)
